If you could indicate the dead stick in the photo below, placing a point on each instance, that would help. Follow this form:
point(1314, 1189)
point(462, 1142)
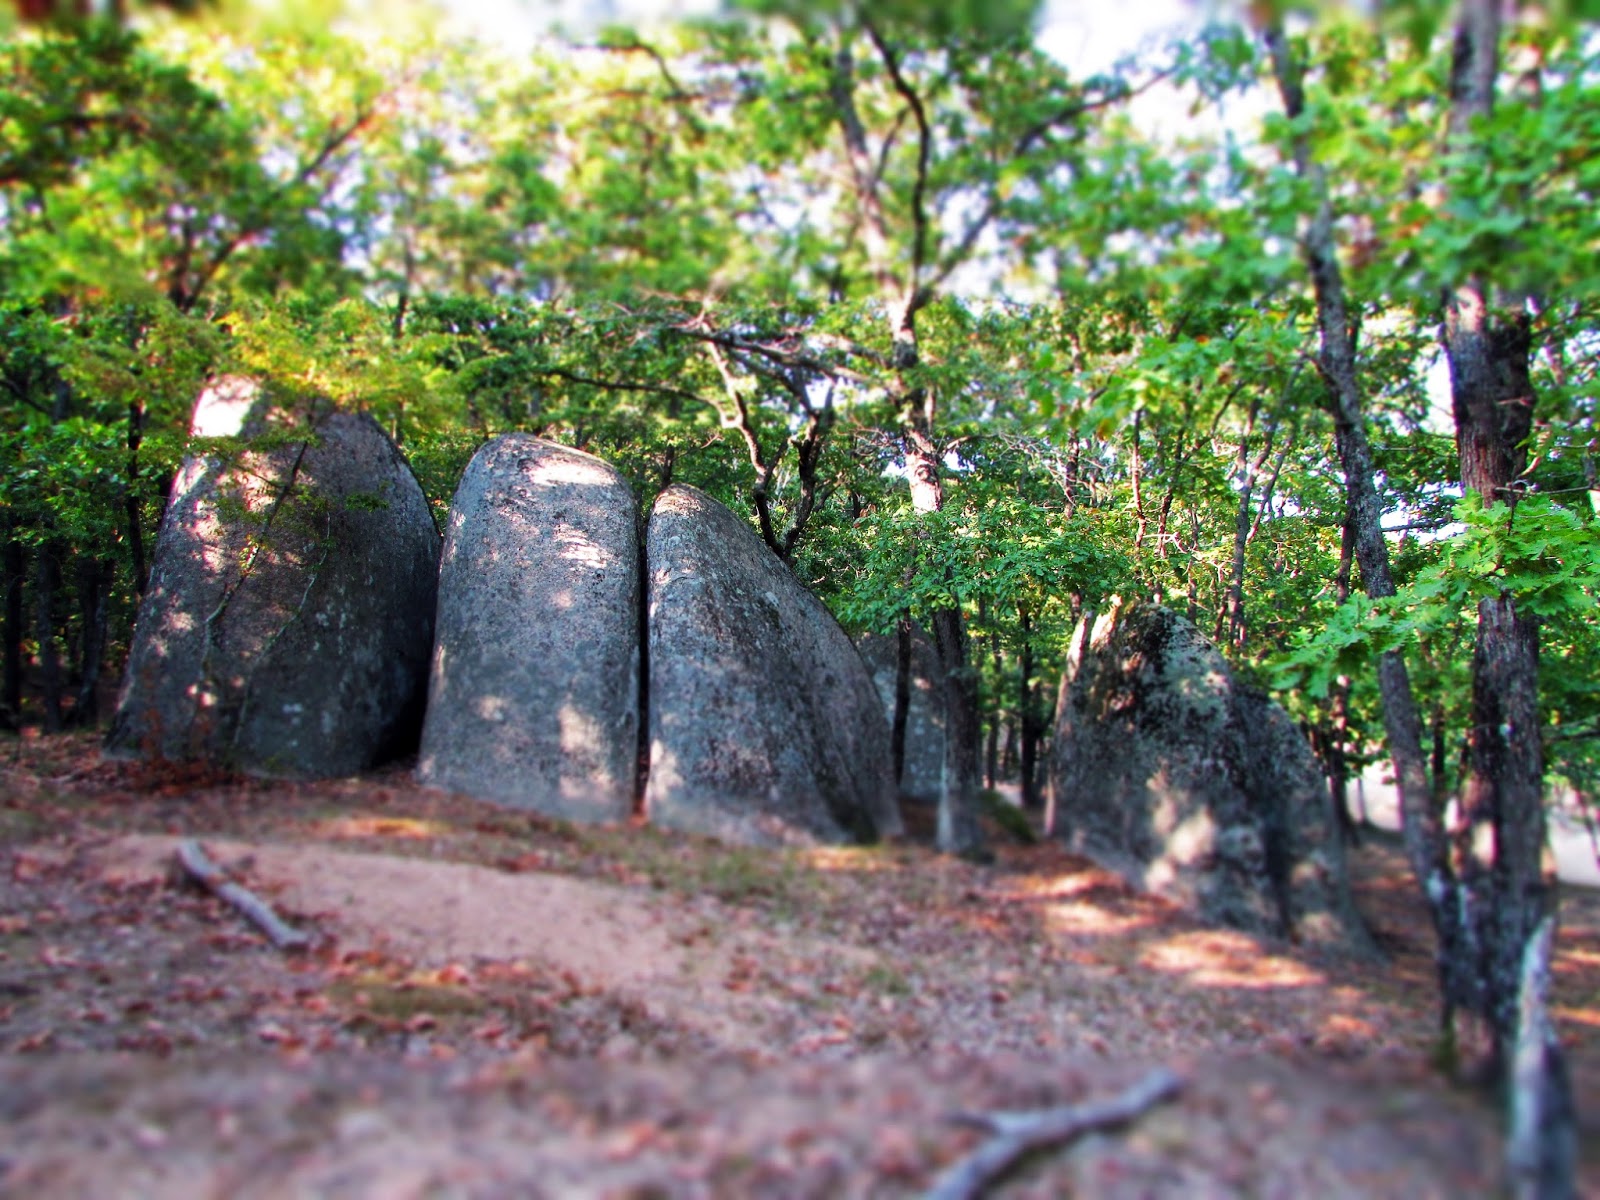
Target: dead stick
point(198, 867)
point(1018, 1133)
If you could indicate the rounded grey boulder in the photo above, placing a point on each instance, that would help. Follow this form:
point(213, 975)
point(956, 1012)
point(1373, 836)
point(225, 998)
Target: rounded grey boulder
point(764, 724)
point(289, 615)
point(534, 698)
point(1192, 785)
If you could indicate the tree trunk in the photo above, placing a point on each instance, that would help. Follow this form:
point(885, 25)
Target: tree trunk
point(130, 503)
point(1499, 837)
point(991, 753)
point(92, 577)
point(47, 581)
point(1426, 850)
point(902, 699)
point(959, 831)
point(15, 569)
point(1032, 728)
point(901, 291)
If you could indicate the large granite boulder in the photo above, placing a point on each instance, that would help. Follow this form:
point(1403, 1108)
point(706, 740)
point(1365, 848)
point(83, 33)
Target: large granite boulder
point(922, 771)
point(1192, 785)
point(535, 691)
point(289, 616)
point(764, 724)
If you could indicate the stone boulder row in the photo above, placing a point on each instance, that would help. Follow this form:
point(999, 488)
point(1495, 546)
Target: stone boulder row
point(289, 616)
point(1168, 770)
point(922, 771)
point(765, 727)
point(534, 698)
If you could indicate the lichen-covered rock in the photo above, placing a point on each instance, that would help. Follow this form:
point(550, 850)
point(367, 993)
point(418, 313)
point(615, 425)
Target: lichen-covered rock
point(922, 772)
point(289, 616)
point(534, 699)
point(764, 724)
point(1168, 770)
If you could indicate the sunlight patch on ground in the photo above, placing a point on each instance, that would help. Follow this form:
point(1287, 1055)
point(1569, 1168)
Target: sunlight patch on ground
point(1081, 918)
point(1220, 958)
point(360, 826)
point(848, 858)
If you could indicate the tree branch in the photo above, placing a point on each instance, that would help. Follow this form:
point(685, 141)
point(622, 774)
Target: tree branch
point(1018, 1134)
point(919, 185)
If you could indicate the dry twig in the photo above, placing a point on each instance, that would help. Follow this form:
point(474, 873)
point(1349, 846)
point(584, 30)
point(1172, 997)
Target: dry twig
point(195, 865)
point(1020, 1133)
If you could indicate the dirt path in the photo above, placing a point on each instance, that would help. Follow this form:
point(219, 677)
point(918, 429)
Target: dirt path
point(501, 1005)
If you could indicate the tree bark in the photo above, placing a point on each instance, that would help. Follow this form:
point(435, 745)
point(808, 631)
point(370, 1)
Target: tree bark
point(991, 750)
point(92, 577)
point(15, 569)
point(902, 699)
point(47, 581)
point(901, 291)
point(1032, 728)
point(130, 503)
point(1499, 835)
point(1425, 845)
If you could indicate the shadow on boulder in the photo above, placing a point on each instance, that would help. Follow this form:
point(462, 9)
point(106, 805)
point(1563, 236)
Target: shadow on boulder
point(1168, 770)
point(289, 615)
point(765, 727)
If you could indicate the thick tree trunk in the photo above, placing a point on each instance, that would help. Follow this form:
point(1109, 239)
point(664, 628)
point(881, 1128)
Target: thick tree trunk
point(47, 581)
point(1499, 837)
point(959, 831)
point(1501, 832)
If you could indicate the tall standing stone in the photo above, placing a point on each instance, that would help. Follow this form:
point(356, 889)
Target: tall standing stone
point(922, 770)
point(764, 724)
point(289, 615)
point(534, 699)
point(1192, 785)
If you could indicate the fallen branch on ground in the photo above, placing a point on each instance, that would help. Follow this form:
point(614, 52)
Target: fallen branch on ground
point(196, 866)
point(1020, 1133)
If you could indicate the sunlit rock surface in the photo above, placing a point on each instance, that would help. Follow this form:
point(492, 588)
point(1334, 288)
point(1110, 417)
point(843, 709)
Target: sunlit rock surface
point(534, 697)
point(1192, 785)
point(922, 776)
point(289, 615)
point(764, 724)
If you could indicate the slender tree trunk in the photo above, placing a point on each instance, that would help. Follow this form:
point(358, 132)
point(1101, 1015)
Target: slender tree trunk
point(1031, 725)
point(92, 577)
point(47, 581)
point(1339, 708)
point(132, 509)
point(1426, 848)
point(15, 569)
point(991, 751)
point(902, 698)
point(901, 290)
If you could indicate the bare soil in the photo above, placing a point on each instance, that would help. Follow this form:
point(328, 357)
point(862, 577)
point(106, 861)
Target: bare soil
point(502, 1005)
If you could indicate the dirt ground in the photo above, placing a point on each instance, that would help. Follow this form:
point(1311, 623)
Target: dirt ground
point(501, 1005)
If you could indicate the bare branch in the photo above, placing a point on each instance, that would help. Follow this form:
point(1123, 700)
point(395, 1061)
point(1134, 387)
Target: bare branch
point(1018, 1134)
point(195, 865)
point(919, 184)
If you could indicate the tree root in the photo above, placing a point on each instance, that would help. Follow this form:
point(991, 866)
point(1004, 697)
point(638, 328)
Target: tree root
point(1020, 1133)
point(194, 864)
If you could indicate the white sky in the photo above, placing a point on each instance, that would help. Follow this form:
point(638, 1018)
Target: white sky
point(1086, 36)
